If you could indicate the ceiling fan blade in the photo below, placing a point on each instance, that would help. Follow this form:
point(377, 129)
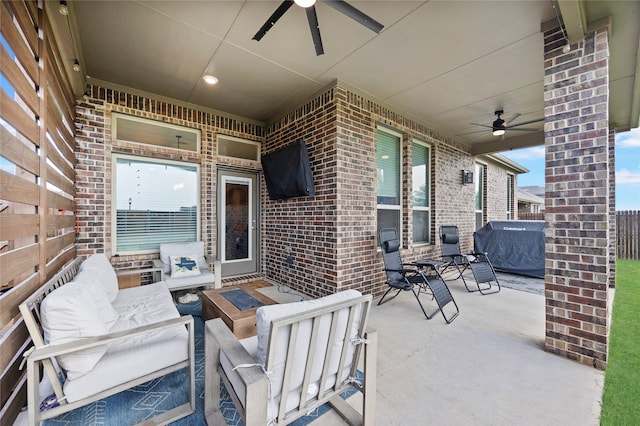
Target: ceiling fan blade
point(312, 17)
point(353, 13)
point(522, 129)
point(513, 117)
point(537, 120)
point(483, 125)
point(284, 6)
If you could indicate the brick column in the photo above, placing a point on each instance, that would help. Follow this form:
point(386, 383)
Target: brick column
point(576, 96)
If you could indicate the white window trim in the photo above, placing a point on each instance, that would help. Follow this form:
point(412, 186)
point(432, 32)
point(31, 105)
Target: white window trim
point(115, 117)
point(236, 139)
point(422, 208)
point(223, 224)
point(114, 212)
point(400, 171)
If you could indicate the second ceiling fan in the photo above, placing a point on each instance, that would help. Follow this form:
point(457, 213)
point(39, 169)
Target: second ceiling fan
point(309, 6)
point(500, 126)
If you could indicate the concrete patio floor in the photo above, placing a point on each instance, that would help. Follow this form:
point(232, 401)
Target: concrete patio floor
point(488, 367)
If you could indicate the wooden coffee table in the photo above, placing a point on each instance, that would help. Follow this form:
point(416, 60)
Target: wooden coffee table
point(241, 322)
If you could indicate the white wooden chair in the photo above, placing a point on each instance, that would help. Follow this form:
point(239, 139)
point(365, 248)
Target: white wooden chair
point(305, 354)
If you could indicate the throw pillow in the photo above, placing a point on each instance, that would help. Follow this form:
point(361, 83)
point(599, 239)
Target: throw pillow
point(184, 266)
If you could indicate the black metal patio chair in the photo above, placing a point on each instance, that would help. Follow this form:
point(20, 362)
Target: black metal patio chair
point(481, 268)
point(407, 277)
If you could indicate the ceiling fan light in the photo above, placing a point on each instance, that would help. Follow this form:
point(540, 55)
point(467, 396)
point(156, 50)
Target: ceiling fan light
point(305, 3)
point(63, 9)
point(498, 132)
point(209, 79)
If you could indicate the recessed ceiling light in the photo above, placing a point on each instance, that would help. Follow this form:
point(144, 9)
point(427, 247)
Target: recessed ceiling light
point(209, 79)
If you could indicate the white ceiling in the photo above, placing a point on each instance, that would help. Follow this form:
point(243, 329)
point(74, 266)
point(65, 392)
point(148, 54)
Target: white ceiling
point(445, 63)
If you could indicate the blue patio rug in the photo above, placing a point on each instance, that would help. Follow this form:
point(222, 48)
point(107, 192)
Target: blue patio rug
point(156, 396)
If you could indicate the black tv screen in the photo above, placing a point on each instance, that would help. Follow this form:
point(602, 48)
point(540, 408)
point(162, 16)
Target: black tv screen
point(287, 172)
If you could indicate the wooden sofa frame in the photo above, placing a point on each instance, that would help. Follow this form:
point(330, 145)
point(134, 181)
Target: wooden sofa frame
point(45, 354)
point(218, 338)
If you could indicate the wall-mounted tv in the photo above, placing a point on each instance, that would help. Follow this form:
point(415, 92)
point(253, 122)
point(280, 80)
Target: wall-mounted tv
point(287, 172)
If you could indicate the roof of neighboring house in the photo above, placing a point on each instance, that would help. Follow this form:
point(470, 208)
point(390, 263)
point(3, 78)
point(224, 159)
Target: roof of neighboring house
point(527, 197)
point(533, 189)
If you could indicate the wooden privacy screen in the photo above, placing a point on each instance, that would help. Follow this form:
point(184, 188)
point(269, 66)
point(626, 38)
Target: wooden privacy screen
point(37, 177)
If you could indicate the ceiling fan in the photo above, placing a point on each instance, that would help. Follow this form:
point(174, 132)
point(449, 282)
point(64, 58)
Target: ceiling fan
point(500, 126)
point(309, 5)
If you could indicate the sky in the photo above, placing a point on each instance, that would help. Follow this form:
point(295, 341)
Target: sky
point(627, 168)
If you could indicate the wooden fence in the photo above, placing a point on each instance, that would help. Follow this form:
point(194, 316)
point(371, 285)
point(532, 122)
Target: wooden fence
point(627, 228)
point(627, 232)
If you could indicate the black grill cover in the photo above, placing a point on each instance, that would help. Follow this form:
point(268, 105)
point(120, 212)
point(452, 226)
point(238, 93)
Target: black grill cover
point(515, 246)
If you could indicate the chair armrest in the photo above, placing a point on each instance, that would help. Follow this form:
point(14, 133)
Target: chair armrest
point(157, 263)
point(219, 339)
point(227, 343)
point(47, 351)
point(209, 259)
point(157, 274)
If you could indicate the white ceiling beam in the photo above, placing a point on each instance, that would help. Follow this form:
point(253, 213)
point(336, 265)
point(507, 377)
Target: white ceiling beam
point(575, 20)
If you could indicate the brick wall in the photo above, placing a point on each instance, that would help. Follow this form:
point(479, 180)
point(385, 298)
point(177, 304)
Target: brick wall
point(578, 210)
point(94, 169)
point(333, 235)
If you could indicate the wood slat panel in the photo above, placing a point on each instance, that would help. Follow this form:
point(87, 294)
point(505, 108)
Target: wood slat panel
point(54, 126)
point(10, 300)
point(15, 404)
point(12, 374)
point(25, 88)
point(11, 343)
point(57, 78)
point(26, 21)
point(55, 156)
point(18, 189)
point(15, 226)
point(60, 221)
point(56, 179)
point(25, 55)
point(57, 244)
point(18, 153)
point(59, 262)
point(15, 263)
point(17, 117)
point(56, 201)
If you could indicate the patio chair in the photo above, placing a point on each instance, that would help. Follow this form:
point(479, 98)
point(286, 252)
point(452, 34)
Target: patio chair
point(408, 277)
point(481, 268)
point(304, 355)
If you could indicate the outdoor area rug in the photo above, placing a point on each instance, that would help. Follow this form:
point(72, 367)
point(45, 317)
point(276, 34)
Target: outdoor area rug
point(156, 396)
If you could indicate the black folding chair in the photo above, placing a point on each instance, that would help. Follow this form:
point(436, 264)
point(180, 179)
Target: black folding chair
point(407, 277)
point(482, 270)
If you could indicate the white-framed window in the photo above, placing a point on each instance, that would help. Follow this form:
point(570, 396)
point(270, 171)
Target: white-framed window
point(155, 201)
point(233, 147)
point(479, 194)
point(509, 196)
point(389, 179)
point(130, 128)
point(421, 188)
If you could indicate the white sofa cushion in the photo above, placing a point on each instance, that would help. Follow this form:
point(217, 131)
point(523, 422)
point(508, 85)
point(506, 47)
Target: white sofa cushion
point(125, 360)
point(100, 269)
point(69, 313)
point(183, 266)
point(195, 248)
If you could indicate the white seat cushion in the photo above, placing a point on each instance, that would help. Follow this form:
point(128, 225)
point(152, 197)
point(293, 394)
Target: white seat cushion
point(134, 357)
